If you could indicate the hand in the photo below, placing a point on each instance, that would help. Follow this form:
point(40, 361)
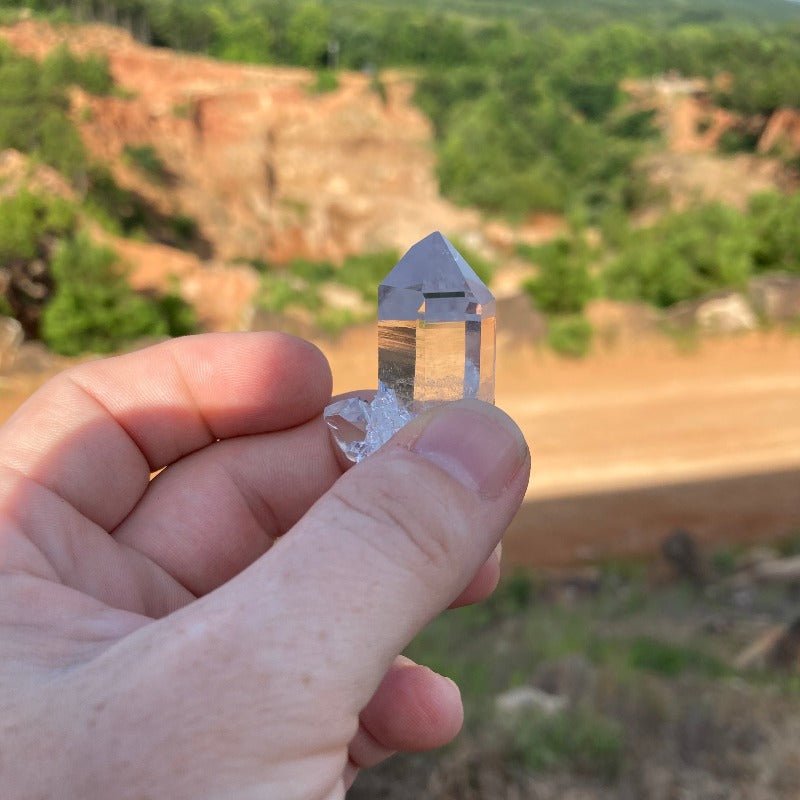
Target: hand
point(164, 638)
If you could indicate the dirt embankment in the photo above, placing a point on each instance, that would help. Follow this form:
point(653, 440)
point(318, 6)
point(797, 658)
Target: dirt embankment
point(268, 168)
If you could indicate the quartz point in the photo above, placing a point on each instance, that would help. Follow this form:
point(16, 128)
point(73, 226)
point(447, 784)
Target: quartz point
point(436, 343)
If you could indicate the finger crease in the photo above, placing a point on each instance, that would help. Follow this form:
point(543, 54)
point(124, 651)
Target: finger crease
point(92, 397)
point(198, 410)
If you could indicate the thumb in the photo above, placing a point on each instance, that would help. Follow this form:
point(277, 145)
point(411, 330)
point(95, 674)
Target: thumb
point(390, 546)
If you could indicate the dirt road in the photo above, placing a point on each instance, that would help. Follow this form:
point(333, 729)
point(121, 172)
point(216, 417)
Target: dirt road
point(640, 439)
point(632, 442)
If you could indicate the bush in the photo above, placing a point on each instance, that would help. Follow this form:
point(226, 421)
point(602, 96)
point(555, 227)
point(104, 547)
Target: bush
point(147, 160)
point(34, 106)
point(27, 219)
point(327, 81)
point(738, 141)
point(94, 309)
point(365, 272)
point(774, 221)
point(564, 284)
point(570, 336)
point(684, 256)
point(61, 68)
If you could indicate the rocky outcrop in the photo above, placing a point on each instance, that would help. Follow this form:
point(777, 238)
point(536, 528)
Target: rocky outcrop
point(776, 298)
point(723, 312)
point(266, 167)
point(782, 133)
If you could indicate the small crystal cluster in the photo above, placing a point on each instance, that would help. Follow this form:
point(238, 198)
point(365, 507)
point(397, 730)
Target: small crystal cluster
point(436, 343)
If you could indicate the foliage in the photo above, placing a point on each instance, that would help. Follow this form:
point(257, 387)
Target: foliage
point(684, 256)
point(648, 653)
point(95, 310)
point(61, 68)
point(326, 81)
point(27, 219)
point(737, 141)
point(579, 741)
point(34, 107)
point(774, 221)
point(298, 286)
point(524, 94)
point(147, 160)
point(570, 336)
point(563, 285)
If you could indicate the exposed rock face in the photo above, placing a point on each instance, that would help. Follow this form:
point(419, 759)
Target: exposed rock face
point(776, 297)
point(268, 169)
point(782, 132)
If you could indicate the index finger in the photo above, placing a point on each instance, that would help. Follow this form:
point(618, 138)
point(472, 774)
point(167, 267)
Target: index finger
point(94, 434)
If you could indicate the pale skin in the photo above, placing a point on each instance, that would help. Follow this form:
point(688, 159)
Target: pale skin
point(231, 628)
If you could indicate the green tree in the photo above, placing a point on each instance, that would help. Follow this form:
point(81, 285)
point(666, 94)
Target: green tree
point(563, 285)
point(94, 309)
point(307, 34)
point(684, 256)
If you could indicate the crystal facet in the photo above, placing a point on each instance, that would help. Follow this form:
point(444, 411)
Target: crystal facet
point(436, 343)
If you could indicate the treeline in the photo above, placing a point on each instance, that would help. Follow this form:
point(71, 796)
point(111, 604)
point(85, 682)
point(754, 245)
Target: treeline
point(527, 109)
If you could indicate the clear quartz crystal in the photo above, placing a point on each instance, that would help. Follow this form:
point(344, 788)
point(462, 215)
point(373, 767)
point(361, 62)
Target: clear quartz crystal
point(436, 343)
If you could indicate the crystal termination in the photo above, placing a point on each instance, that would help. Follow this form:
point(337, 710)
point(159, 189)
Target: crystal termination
point(436, 343)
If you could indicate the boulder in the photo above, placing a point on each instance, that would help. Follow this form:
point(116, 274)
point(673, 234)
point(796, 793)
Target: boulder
point(776, 297)
point(724, 312)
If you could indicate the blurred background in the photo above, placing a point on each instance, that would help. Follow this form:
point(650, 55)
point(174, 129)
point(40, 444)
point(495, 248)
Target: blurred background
point(625, 174)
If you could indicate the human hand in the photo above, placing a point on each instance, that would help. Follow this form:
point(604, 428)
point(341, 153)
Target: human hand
point(164, 638)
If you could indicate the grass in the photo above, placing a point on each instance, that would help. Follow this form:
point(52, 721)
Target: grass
point(648, 691)
point(581, 742)
point(299, 286)
point(672, 660)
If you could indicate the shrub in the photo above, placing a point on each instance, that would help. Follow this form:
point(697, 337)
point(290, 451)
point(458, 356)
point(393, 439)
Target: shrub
point(738, 141)
point(364, 272)
point(774, 224)
point(564, 284)
point(95, 310)
point(147, 160)
point(26, 219)
point(570, 336)
point(327, 81)
point(684, 256)
point(61, 68)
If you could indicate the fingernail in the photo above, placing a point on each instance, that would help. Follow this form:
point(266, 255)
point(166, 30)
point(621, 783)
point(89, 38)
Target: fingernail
point(476, 443)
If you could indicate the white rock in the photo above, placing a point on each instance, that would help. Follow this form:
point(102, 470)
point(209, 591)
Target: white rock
point(529, 698)
point(728, 314)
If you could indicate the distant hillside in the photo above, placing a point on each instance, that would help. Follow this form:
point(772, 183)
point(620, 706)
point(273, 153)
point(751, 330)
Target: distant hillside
point(579, 13)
